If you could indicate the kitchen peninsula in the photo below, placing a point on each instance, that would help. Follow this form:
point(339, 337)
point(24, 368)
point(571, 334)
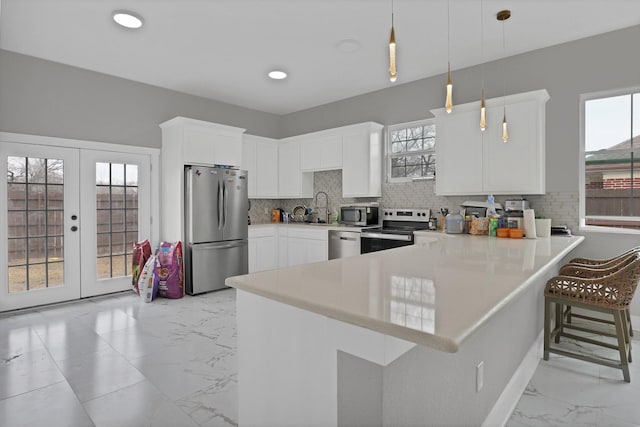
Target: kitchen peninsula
point(444, 333)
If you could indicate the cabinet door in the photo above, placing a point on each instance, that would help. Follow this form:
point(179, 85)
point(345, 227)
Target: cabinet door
point(459, 154)
point(266, 169)
point(355, 165)
point(198, 147)
point(289, 176)
point(515, 166)
point(266, 253)
point(227, 149)
point(297, 251)
point(331, 155)
point(249, 151)
point(311, 154)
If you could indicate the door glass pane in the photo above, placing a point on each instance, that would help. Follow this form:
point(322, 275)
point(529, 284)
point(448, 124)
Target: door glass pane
point(116, 217)
point(17, 196)
point(35, 216)
point(17, 279)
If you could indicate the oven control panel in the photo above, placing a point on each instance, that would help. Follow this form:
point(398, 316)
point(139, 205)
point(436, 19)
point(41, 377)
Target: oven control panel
point(418, 215)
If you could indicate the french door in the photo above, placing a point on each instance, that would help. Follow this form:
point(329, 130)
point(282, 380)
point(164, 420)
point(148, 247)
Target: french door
point(70, 218)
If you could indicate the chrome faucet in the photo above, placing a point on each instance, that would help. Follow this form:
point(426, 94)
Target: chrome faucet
point(325, 207)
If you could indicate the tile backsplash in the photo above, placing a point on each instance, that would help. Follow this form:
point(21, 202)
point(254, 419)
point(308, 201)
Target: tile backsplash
point(561, 207)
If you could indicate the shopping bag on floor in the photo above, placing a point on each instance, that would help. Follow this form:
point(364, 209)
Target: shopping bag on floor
point(168, 274)
point(141, 253)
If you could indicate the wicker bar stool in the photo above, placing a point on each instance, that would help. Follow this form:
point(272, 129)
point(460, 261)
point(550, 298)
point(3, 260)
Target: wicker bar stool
point(610, 294)
point(583, 267)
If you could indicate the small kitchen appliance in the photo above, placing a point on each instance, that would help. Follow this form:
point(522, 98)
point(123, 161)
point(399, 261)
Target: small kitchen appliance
point(514, 212)
point(359, 216)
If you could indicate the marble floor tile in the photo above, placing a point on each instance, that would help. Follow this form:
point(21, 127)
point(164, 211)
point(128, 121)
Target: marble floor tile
point(140, 404)
point(53, 406)
point(26, 372)
point(96, 374)
point(214, 406)
point(14, 342)
point(117, 361)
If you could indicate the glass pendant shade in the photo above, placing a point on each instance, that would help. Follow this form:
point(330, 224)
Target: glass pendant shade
point(505, 136)
point(483, 114)
point(393, 75)
point(449, 103)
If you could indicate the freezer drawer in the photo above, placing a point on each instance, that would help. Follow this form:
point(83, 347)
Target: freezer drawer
point(207, 265)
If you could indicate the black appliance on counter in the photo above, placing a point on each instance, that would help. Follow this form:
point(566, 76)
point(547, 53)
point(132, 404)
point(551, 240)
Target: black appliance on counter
point(397, 229)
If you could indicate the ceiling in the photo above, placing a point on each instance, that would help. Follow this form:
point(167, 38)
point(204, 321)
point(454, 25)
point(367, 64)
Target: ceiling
point(223, 49)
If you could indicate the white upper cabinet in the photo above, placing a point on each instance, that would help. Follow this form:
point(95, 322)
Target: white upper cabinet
point(459, 154)
point(321, 153)
point(470, 161)
point(203, 143)
point(292, 182)
point(260, 160)
point(362, 160)
point(284, 168)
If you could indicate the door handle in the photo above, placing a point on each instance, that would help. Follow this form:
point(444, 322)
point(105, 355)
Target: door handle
point(225, 194)
point(220, 202)
point(74, 228)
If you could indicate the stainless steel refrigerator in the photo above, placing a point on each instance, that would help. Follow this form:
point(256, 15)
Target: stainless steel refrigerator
point(216, 230)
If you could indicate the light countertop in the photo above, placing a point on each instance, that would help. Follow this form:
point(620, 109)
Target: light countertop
point(315, 226)
point(436, 294)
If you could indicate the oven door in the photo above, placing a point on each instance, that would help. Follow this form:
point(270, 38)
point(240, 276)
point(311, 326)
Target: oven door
point(371, 241)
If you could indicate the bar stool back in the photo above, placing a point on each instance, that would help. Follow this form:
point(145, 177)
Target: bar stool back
point(610, 293)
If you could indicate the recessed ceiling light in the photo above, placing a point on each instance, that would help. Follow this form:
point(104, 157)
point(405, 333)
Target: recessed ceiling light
point(127, 19)
point(348, 45)
point(277, 74)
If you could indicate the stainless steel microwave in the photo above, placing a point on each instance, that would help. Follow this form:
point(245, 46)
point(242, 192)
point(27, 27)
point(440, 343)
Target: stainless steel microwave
point(359, 215)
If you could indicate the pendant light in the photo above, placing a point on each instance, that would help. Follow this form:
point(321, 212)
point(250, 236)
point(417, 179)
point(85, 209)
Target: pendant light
point(393, 74)
point(483, 107)
point(502, 16)
point(448, 105)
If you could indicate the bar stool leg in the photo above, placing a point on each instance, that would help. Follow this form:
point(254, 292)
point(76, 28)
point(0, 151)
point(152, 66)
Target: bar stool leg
point(629, 321)
point(622, 345)
point(625, 330)
point(559, 321)
point(547, 328)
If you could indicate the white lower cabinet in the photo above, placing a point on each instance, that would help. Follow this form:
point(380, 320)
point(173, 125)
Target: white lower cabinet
point(263, 249)
point(281, 246)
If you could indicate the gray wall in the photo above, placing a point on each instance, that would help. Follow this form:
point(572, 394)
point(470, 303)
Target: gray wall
point(566, 71)
point(46, 98)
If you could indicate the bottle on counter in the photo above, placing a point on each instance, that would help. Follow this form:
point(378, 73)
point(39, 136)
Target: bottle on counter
point(455, 223)
point(493, 227)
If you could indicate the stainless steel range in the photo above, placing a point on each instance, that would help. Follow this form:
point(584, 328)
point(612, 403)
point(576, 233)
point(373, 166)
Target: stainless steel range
point(397, 229)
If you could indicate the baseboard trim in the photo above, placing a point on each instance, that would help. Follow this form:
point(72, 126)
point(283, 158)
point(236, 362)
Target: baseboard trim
point(506, 403)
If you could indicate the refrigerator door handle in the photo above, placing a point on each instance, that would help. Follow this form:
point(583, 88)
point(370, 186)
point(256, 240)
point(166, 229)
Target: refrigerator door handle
point(189, 205)
point(225, 195)
point(220, 204)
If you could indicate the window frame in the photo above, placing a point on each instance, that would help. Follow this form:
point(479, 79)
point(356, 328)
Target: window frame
point(584, 98)
point(389, 155)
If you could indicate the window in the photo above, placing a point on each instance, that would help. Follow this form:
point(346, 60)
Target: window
point(611, 193)
point(411, 151)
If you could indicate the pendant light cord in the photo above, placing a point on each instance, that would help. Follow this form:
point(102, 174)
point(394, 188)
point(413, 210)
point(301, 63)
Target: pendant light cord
point(449, 32)
point(504, 72)
point(482, 43)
